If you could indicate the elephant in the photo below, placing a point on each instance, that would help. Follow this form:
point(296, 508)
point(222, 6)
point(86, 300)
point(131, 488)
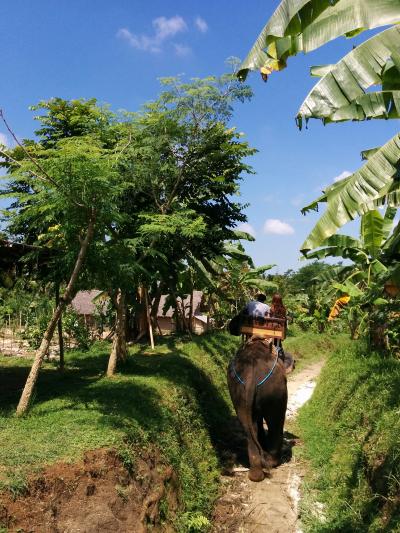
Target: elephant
point(258, 388)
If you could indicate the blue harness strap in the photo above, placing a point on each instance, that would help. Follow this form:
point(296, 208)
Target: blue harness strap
point(266, 378)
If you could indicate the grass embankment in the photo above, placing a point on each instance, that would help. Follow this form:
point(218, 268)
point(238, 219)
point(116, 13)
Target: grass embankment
point(351, 431)
point(310, 347)
point(175, 397)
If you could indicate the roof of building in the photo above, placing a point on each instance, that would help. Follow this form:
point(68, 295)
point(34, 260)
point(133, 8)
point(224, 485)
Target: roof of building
point(83, 302)
point(197, 296)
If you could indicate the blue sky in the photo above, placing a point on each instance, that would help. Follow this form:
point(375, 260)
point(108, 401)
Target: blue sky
point(116, 50)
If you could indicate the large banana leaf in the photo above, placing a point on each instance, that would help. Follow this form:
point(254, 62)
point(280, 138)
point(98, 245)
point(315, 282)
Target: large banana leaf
point(341, 92)
point(352, 196)
point(243, 235)
point(258, 271)
point(261, 284)
point(392, 245)
point(298, 25)
point(339, 246)
point(374, 229)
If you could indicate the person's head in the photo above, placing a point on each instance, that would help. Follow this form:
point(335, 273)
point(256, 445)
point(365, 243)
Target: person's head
point(261, 298)
point(277, 299)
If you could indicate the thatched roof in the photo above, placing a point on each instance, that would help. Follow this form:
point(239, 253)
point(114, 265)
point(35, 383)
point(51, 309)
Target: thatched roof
point(197, 296)
point(83, 302)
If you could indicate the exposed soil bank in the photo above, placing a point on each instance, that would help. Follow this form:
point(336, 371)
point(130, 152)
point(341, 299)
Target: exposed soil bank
point(271, 505)
point(97, 495)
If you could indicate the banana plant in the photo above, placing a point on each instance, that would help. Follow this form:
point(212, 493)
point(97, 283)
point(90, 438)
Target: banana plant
point(342, 93)
point(305, 25)
point(363, 282)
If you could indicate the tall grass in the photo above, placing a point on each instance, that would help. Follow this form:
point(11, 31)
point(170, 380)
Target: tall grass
point(351, 432)
point(175, 398)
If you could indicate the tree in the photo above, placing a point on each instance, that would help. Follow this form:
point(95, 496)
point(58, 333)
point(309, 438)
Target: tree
point(343, 93)
point(74, 182)
point(174, 170)
point(183, 164)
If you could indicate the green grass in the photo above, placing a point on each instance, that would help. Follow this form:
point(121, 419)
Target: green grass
point(351, 432)
point(310, 347)
point(175, 397)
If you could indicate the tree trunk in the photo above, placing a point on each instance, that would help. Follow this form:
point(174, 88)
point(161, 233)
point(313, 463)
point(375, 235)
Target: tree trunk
point(191, 312)
point(118, 350)
point(48, 335)
point(141, 319)
point(154, 307)
point(60, 332)
point(180, 310)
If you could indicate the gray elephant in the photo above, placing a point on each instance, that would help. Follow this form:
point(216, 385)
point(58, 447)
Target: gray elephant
point(258, 388)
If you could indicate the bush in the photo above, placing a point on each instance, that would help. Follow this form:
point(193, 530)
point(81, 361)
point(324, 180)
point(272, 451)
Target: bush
point(76, 329)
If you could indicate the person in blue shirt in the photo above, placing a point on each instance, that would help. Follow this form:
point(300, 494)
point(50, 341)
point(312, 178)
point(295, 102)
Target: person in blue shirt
point(258, 308)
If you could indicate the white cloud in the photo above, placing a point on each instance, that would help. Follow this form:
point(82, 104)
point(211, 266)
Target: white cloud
point(201, 24)
point(168, 27)
point(278, 227)
point(248, 228)
point(164, 28)
point(181, 50)
point(344, 174)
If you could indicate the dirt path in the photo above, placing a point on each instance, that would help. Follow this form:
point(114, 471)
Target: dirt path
point(272, 505)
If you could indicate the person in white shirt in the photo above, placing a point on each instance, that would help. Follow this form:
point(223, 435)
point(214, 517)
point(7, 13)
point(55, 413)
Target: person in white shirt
point(258, 308)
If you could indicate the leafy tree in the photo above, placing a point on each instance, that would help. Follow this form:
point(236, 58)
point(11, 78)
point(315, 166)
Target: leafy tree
point(75, 182)
point(155, 185)
point(183, 164)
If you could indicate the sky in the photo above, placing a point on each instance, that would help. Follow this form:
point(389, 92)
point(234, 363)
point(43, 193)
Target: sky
point(116, 50)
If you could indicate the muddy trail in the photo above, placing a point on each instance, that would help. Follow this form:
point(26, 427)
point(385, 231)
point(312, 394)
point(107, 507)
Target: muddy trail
point(272, 505)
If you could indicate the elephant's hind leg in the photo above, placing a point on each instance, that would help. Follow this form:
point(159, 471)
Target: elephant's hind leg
point(275, 421)
point(254, 448)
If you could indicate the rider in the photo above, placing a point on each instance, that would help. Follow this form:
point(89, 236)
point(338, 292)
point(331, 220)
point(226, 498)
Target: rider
point(258, 308)
point(278, 310)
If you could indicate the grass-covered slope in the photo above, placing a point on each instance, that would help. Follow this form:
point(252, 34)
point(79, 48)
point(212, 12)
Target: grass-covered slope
point(351, 431)
point(175, 398)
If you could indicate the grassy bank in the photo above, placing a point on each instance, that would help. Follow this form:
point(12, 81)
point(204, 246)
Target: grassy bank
point(351, 431)
point(175, 397)
point(309, 347)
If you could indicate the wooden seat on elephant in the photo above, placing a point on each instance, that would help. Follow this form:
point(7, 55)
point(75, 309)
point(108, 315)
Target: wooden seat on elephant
point(269, 327)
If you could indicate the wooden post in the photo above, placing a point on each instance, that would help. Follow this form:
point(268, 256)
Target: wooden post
point(146, 300)
point(59, 329)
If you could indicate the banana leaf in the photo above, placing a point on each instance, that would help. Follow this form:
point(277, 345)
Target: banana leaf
point(301, 26)
point(341, 92)
point(366, 154)
point(261, 284)
point(330, 190)
point(387, 224)
point(257, 271)
point(352, 196)
point(372, 232)
point(339, 246)
point(392, 245)
point(243, 236)
point(235, 252)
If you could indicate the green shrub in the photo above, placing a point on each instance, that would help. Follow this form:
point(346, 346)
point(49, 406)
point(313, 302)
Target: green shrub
point(76, 329)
